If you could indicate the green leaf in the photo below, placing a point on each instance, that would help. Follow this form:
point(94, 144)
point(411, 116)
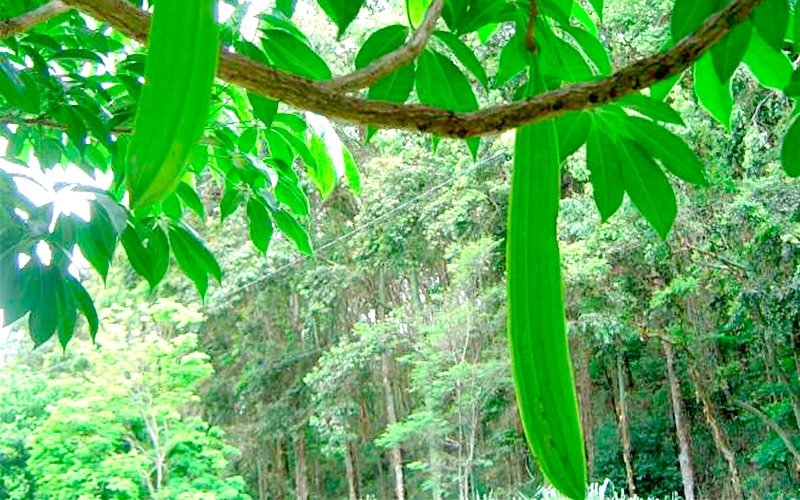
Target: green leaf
point(457, 95)
point(653, 108)
point(231, 199)
point(790, 150)
point(286, 7)
point(149, 256)
point(351, 171)
point(49, 152)
point(341, 12)
point(259, 223)
point(688, 15)
point(415, 10)
point(669, 149)
point(597, 5)
point(39, 284)
point(796, 29)
point(593, 48)
point(181, 63)
point(85, 304)
point(290, 194)
point(537, 334)
point(63, 301)
point(772, 68)
point(605, 172)
point(292, 229)
point(380, 43)
point(191, 199)
point(264, 109)
point(194, 259)
point(322, 172)
point(287, 52)
point(573, 131)
point(465, 55)
point(728, 52)
point(648, 187)
point(514, 58)
point(771, 19)
point(396, 86)
point(714, 94)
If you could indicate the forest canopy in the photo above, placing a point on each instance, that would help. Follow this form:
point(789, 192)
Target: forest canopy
point(541, 127)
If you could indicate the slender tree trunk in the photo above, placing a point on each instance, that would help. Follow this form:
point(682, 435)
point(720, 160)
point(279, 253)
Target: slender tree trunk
point(685, 451)
point(300, 466)
point(782, 434)
point(624, 426)
point(720, 440)
point(395, 454)
point(280, 469)
point(350, 471)
point(262, 478)
point(583, 381)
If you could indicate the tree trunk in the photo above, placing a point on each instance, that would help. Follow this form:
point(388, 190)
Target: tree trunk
point(300, 466)
point(350, 471)
point(583, 381)
point(720, 440)
point(685, 451)
point(624, 427)
point(782, 434)
point(395, 454)
point(280, 469)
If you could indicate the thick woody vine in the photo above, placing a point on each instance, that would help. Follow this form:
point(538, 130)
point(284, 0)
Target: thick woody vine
point(332, 98)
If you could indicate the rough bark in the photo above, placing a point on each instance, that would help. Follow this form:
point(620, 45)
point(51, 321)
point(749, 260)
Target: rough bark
point(684, 443)
point(720, 439)
point(395, 453)
point(314, 96)
point(624, 426)
point(350, 472)
point(300, 466)
point(387, 63)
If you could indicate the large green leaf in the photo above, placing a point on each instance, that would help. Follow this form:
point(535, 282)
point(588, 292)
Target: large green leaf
point(688, 15)
point(536, 324)
point(771, 19)
point(181, 63)
point(194, 259)
point(397, 85)
point(771, 67)
point(648, 187)
point(573, 130)
point(669, 149)
point(653, 108)
point(259, 223)
point(714, 94)
point(293, 230)
point(415, 10)
point(433, 69)
point(341, 12)
point(287, 52)
point(790, 150)
point(465, 55)
point(728, 52)
point(605, 175)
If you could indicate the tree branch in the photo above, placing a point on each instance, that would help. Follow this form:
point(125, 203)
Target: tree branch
point(28, 20)
point(314, 96)
point(384, 65)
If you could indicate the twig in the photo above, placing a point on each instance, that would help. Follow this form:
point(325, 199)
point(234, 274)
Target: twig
point(28, 20)
point(384, 65)
point(313, 96)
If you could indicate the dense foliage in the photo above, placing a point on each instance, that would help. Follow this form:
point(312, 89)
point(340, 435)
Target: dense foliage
point(381, 367)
